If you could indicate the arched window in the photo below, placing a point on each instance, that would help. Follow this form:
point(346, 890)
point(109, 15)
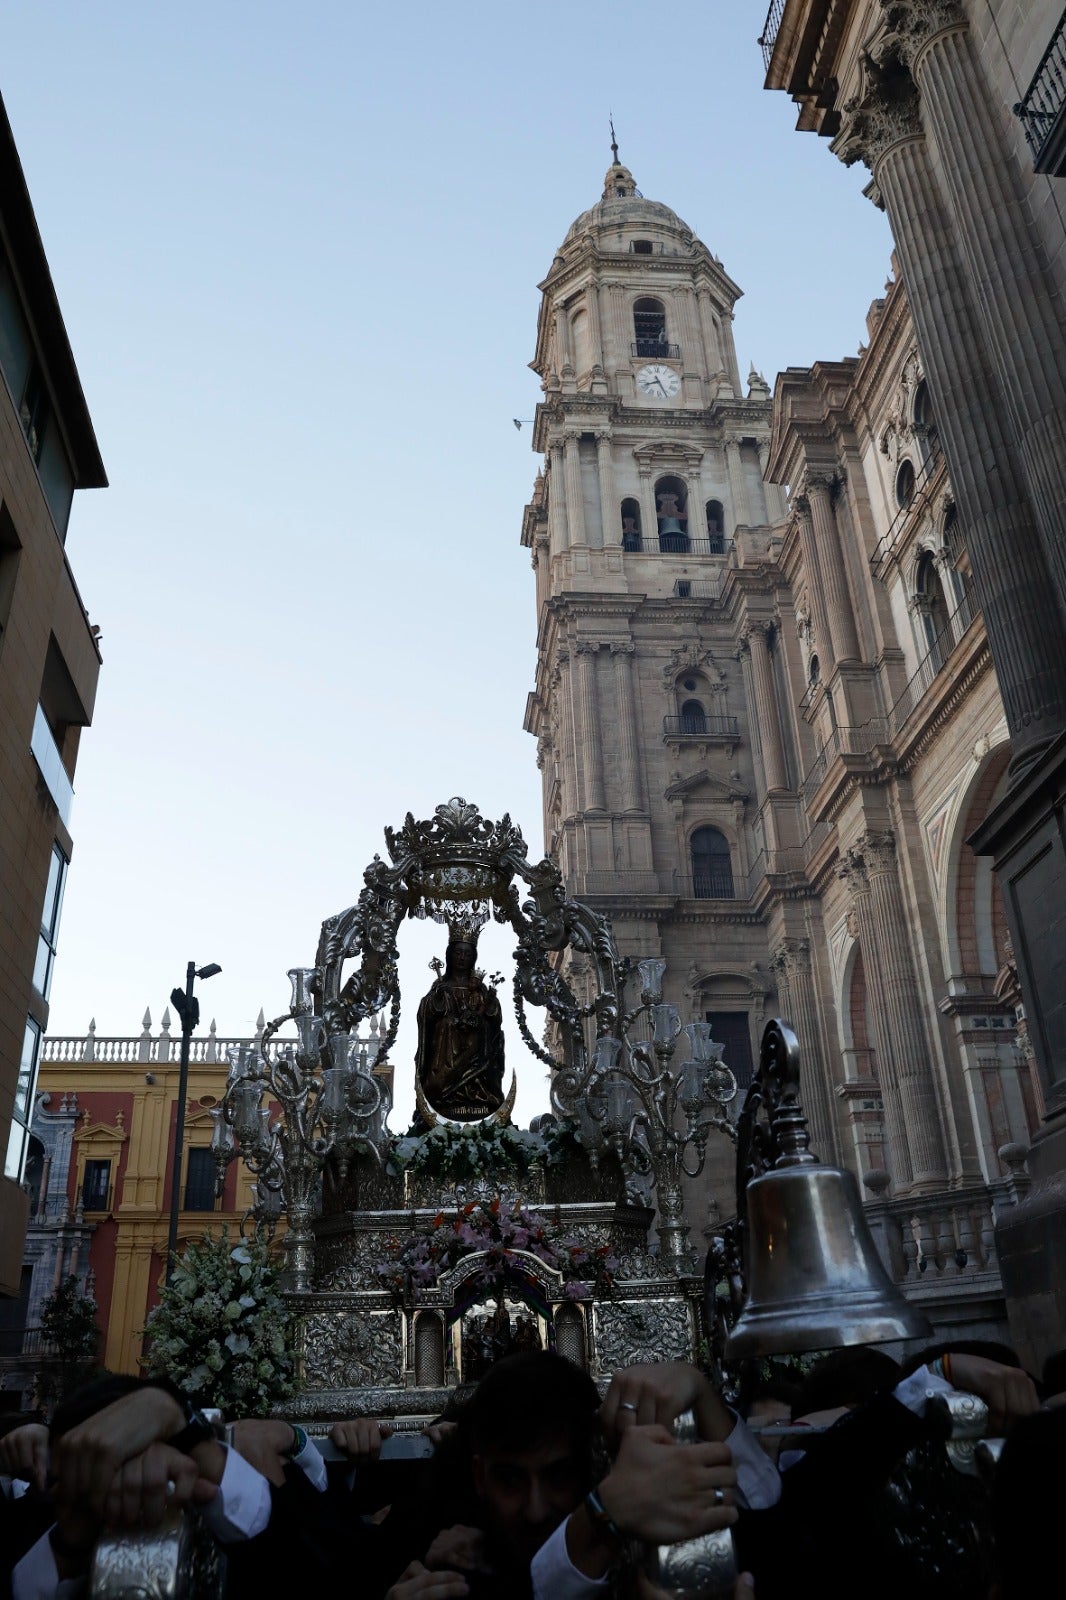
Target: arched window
point(932, 608)
point(693, 717)
point(961, 571)
point(814, 670)
point(671, 515)
point(649, 327)
point(905, 484)
point(924, 423)
point(715, 527)
point(631, 539)
point(712, 867)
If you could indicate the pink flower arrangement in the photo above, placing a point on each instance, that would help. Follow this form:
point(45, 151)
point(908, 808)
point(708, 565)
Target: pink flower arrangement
point(418, 1261)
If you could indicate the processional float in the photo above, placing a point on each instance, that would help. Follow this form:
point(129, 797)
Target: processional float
point(796, 1270)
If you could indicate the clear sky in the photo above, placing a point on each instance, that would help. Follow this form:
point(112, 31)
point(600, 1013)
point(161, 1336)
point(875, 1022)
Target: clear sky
point(297, 251)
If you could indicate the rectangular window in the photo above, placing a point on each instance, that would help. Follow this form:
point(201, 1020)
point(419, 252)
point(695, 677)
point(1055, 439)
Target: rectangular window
point(50, 915)
point(730, 1028)
point(45, 751)
point(10, 551)
point(22, 1109)
point(97, 1185)
point(200, 1181)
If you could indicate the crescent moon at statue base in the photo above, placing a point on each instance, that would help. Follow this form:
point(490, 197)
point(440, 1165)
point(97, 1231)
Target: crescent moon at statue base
point(436, 1119)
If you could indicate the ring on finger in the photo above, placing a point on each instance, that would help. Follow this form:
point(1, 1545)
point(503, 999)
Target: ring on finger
point(626, 1405)
point(719, 1497)
point(170, 1486)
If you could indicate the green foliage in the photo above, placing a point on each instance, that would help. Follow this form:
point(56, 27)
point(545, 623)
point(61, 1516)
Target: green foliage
point(481, 1151)
point(71, 1339)
point(221, 1329)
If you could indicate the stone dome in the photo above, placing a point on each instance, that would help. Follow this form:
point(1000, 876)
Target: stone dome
point(623, 205)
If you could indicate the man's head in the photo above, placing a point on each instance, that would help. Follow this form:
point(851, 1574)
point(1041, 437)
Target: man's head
point(530, 1429)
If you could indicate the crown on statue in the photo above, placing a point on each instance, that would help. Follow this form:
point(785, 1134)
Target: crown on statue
point(465, 925)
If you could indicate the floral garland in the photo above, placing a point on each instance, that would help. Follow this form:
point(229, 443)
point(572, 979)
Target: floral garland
point(480, 1151)
point(220, 1330)
point(503, 1238)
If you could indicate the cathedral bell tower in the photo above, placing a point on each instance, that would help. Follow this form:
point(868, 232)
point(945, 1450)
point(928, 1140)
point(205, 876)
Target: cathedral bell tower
point(651, 490)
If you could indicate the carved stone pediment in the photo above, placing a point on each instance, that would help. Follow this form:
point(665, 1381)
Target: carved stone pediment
point(666, 453)
point(709, 787)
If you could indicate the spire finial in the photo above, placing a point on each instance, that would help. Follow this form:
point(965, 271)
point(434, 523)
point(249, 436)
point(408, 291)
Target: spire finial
point(614, 141)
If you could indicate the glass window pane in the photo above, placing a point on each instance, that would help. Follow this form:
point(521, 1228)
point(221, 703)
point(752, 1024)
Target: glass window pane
point(27, 1078)
point(42, 967)
point(50, 894)
point(200, 1181)
point(16, 1150)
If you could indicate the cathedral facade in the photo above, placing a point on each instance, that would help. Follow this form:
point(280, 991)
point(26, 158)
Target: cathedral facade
point(767, 723)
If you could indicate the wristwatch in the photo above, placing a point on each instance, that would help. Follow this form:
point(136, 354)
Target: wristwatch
point(198, 1429)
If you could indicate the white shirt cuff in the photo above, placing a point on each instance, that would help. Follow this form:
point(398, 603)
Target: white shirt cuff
point(915, 1390)
point(36, 1576)
point(241, 1508)
point(311, 1464)
point(554, 1573)
point(758, 1480)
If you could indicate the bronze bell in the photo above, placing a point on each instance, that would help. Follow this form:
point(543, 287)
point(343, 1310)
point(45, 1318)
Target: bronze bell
point(813, 1276)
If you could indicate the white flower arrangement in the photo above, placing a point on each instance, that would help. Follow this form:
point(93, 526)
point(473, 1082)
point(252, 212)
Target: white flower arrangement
point(220, 1330)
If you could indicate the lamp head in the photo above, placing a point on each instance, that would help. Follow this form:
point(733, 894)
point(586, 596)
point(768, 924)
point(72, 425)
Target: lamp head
point(209, 971)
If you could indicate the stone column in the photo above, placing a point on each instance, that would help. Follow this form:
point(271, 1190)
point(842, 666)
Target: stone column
point(712, 355)
point(575, 505)
point(816, 594)
point(557, 517)
point(563, 684)
point(773, 754)
point(888, 961)
point(744, 655)
point(562, 344)
point(1018, 305)
point(773, 494)
point(649, 518)
point(616, 314)
point(1023, 617)
point(592, 301)
point(589, 725)
point(852, 869)
point(622, 652)
point(690, 341)
point(831, 561)
point(792, 961)
point(610, 513)
point(738, 491)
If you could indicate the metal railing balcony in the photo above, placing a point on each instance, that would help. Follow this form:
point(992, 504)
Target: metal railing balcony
point(699, 588)
point(706, 728)
point(715, 883)
point(655, 350)
point(1043, 111)
point(770, 28)
point(675, 544)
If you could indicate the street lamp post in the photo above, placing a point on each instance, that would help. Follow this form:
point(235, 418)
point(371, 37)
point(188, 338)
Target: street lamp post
point(188, 1009)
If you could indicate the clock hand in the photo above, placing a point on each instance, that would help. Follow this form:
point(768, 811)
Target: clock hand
point(662, 390)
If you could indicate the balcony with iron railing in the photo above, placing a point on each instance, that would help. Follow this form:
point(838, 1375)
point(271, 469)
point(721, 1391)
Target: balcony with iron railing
point(699, 588)
point(925, 482)
point(675, 544)
point(864, 739)
point(655, 350)
point(1043, 110)
point(770, 28)
point(702, 730)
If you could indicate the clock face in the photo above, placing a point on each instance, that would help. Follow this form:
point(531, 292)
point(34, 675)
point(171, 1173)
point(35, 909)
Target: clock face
point(658, 382)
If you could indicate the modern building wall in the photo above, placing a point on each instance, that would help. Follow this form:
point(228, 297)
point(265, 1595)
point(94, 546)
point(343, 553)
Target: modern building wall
point(49, 661)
